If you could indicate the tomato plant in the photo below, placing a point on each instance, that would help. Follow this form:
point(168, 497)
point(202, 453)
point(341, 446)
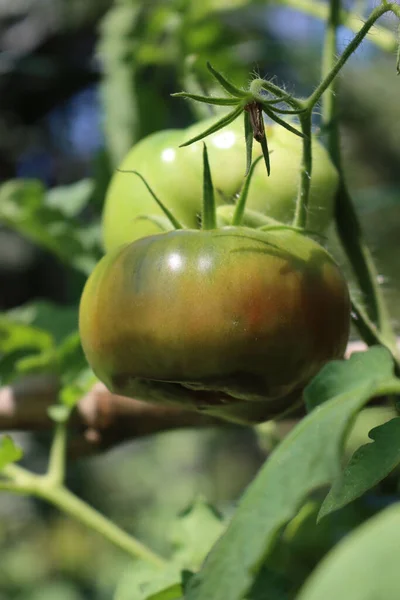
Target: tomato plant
point(221, 308)
point(175, 175)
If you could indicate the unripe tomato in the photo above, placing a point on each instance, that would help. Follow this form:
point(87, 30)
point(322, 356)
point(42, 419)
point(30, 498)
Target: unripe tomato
point(175, 175)
point(233, 322)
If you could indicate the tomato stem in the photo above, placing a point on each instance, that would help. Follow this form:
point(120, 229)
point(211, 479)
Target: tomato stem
point(300, 217)
point(374, 325)
point(336, 65)
point(380, 36)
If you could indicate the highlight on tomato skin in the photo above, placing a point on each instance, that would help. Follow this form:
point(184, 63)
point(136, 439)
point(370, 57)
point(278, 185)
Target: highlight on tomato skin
point(233, 322)
point(175, 174)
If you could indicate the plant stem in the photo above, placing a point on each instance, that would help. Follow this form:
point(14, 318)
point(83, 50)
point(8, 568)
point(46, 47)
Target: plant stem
point(347, 223)
point(300, 217)
point(19, 480)
point(56, 469)
point(66, 501)
point(329, 75)
point(380, 36)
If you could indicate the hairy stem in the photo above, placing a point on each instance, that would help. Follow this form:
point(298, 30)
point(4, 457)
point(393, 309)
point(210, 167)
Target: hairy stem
point(380, 36)
point(18, 480)
point(337, 65)
point(347, 222)
point(300, 217)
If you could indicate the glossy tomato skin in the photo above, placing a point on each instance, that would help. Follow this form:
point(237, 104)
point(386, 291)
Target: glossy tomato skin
point(175, 174)
point(233, 322)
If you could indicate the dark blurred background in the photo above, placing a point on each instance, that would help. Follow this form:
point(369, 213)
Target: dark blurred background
point(80, 82)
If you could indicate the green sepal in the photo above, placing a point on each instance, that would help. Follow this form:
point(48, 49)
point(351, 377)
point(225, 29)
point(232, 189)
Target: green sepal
point(241, 203)
point(206, 99)
point(265, 151)
point(226, 120)
point(209, 217)
point(166, 211)
point(268, 111)
point(227, 85)
point(248, 134)
point(163, 223)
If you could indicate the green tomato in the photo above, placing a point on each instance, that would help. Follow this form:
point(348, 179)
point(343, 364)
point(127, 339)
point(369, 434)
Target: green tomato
point(175, 175)
point(275, 196)
point(232, 322)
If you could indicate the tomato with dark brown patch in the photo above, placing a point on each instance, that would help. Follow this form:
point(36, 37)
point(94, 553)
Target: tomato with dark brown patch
point(234, 322)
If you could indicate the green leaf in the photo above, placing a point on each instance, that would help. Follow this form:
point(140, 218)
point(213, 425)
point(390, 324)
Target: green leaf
point(59, 321)
point(144, 582)
point(270, 585)
point(25, 207)
point(338, 377)
point(9, 452)
point(39, 337)
point(173, 592)
point(71, 393)
point(16, 336)
point(307, 459)
point(194, 532)
point(20, 343)
point(71, 361)
point(368, 466)
point(363, 566)
point(70, 200)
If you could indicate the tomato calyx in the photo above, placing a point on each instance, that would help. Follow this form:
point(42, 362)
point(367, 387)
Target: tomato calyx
point(262, 96)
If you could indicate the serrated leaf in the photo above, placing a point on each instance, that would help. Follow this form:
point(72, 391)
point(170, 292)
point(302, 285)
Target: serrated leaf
point(307, 459)
point(340, 376)
point(363, 566)
point(9, 452)
point(368, 466)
